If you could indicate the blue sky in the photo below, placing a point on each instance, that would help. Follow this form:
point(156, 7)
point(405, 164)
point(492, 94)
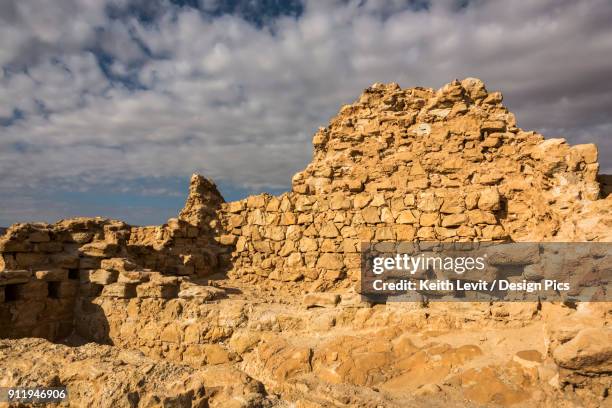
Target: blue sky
point(108, 106)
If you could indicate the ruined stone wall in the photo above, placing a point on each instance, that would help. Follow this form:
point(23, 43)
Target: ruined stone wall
point(415, 164)
point(39, 304)
point(397, 165)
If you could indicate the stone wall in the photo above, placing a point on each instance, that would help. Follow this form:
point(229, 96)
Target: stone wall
point(397, 165)
point(39, 304)
point(416, 164)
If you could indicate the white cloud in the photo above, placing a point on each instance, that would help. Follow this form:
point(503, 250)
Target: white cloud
point(240, 104)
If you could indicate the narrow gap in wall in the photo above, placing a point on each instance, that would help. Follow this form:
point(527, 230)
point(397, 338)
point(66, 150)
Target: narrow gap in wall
point(11, 292)
point(73, 273)
point(53, 288)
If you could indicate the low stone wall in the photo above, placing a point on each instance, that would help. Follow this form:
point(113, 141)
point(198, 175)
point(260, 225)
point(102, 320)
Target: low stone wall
point(39, 304)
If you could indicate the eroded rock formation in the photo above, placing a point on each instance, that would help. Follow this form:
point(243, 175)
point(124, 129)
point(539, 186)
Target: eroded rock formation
point(255, 301)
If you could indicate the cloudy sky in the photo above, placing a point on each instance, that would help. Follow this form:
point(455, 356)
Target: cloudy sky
point(107, 106)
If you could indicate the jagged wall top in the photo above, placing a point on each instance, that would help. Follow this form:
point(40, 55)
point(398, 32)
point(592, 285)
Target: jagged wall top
point(459, 138)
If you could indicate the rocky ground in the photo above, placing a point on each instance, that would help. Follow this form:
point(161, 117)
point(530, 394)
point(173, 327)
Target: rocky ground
point(280, 348)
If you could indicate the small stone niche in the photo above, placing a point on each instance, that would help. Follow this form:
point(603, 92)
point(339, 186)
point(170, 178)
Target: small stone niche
point(53, 290)
point(73, 273)
point(11, 292)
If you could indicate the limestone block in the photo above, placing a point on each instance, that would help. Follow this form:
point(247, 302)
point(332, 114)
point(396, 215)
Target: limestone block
point(295, 260)
point(289, 218)
point(228, 239)
point(29, 260)
point(426, 233)
point(429, 203)
point(330, 261)
point(355, 186)
point(257, 201)
point(384, 234)
point(586, 152)
point(11, 245)
point(13, 277)
point(103, 276)
point(157, 289)
point(406, 217)
point(235, 206)
point(404, 232)
point(371, 215)
point(329, 245)
point(273, 205)
point(321, 299)
point(429, 219)
point(481, 217)
point(489, 200)
point(32, 290)
point(409, 200)
point(329, 230)
point(119, 290)
point(117, 264)
point(493, 126)
point(52, 275)
point(67, 289)
point(199, 292)
point(361, 200)
point(305, 218)
point(452, 205)
point(444, 233)
point(454, 220)
point(99, 249)
point(471, 200)
point(339, 201)
point(493, 232)
point(287, 248)
point(589, 352)
point(308, 244)
point(386, 216)
point(262, 246)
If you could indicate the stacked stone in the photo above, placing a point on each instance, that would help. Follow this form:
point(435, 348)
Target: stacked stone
point(79, 243)
point(411, 164)
point(36, 304)
point(186, 245)
point(163, 316)
point(397, 165)
point(314, 237)
point(457, 140)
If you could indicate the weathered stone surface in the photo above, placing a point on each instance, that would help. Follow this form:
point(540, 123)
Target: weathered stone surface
point(103, 276)
point(52, 274)
point(321, 299)
point(589, 352)
point(13, 277)
point(119, 290)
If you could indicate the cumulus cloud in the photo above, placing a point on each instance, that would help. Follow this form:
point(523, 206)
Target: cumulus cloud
point(93, 93)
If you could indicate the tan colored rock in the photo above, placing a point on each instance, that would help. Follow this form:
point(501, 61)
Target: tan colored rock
point(321, 299)
point(119, 290)
point(489, 200)
point(589, 352)
point(454, 220)
point(330, 261)
point(429, 219)
point(102, 276)
point(371, 215)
